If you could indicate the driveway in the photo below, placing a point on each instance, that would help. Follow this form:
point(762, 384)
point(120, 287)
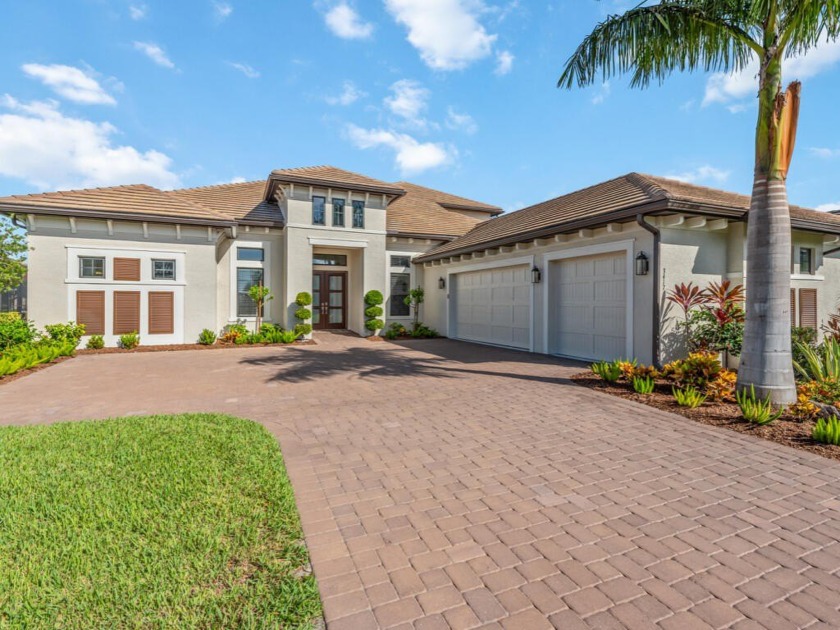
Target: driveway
point(449, 485)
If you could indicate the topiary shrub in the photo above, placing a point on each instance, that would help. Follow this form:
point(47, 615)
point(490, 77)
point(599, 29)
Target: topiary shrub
point(374, 324)
point(303, 329)
point(374, 298)
point(303, 314)
point(373, 311)
point(303, 299)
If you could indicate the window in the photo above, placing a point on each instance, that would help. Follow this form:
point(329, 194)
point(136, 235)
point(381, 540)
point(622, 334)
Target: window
point(251, 254)
point(358, 214)
point(806, 261)
point(245, 279)
point(163, 270)
point(400, 283)
point(91, 267)
point(319, 210)
point(330, 260)
point(338, 212)
point(400, 261)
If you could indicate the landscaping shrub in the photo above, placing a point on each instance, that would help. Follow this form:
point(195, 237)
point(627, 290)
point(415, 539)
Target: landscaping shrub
point(129, 341)
point(413, 300)
point(421, 331)
point(233, 332)
point(9, 316)
point(697, 370)
point(714, 316)
point(827, 431)
point(373, 311)
point(610, 371)
point(801, 337)
point(15, 331)
point(643, 384)
point(395, 330)
point(754, 410)
point(25, 356)
point(826, 392)
point(722, 387)
point(688, 397)
point(65, 332)
point(207, 337)
point(819, 363)
point(96, 342)
point(303, 314)
point(374, 298)
point(288, 336)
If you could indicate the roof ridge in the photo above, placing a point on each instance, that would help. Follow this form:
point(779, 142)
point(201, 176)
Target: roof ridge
point(478, 205)
point(81, 190)
point(212, 186)
point(648, 184)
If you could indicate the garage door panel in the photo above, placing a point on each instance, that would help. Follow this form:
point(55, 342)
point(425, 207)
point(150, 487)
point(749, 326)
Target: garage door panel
point(588, 306)
point(493, 306)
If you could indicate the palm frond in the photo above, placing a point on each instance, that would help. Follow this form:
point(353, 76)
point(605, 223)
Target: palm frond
point(806, 23)
point(654, 41)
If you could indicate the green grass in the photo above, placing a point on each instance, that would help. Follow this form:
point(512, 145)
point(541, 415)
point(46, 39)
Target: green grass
point(164, 521)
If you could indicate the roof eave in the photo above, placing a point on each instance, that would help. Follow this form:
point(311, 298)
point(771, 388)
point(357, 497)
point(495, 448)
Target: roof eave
point(433, 237)
point(116, 216)
point(313, 181)
point(456, 206)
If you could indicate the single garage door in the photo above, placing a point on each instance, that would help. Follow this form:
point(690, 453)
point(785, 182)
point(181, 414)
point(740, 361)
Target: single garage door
point(588, 307)
point(493, 306)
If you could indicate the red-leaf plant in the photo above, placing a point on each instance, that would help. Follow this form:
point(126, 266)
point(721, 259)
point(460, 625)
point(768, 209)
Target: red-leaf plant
point(688, 297)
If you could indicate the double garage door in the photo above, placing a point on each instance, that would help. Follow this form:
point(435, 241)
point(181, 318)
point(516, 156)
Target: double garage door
point(587, 306)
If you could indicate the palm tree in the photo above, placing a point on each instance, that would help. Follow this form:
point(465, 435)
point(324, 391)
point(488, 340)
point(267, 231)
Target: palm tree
point(651, 42)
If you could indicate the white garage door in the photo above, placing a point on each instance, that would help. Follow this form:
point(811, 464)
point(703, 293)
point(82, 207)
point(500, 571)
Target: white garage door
point(493, 306)
point(588, 307)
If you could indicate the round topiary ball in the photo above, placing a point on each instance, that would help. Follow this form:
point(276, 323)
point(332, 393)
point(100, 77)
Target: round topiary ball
point(374, 298)
point(303, 314)
point(373, 311)
point(303, 299)
point(374, 324)
point(303, 329)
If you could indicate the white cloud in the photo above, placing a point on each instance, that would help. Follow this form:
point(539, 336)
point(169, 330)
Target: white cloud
point(245, 69)
point(412, 157)
point(504, 62)
point(702, 174)
point(155, 53)
point(459, 121)
point(221, 10)
point(829, 207)
point(725, 88)
point(447, 33)
point(827, 154)
point(236, 180)
point(602, 93)
point(138, 11)
point(49, 150)
point(409, 100)
point(72, 83)
point(349, 95)
point(345, 22)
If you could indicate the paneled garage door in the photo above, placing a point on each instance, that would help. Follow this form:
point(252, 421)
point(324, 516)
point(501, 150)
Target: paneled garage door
point(588, 306)
point(493, 306)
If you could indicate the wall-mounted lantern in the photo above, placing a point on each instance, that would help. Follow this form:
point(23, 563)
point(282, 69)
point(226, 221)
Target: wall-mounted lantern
point(441, 283)
point(536, 275)
point(642, 264)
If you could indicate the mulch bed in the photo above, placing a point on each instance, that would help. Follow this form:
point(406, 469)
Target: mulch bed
point(13, 377)
point(786, 430)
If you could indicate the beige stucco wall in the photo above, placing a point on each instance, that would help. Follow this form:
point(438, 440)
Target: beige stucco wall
point(405, 247)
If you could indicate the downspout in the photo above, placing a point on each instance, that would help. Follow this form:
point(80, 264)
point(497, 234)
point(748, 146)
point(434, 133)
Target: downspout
point(640, 219)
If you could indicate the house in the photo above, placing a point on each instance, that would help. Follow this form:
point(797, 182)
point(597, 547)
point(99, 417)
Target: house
point(583, 275)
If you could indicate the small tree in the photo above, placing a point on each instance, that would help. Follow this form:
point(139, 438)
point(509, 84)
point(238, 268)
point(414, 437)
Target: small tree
point(12, 250)
point(413, 300)
point(260, 294)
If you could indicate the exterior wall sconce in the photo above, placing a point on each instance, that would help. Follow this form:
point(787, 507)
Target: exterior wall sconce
point(642, 264)
point(536, 275)
point(441, 283)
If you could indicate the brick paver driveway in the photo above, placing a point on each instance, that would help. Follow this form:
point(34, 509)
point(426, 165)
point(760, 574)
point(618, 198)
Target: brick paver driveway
point(448, 485)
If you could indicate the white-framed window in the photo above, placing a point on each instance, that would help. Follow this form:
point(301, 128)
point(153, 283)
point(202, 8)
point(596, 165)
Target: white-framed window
point(92, 267)
point(338, 212)
point(319, 210)
point(247, 277)
point(401, 261)
point(250, 254)
point(359, 214)
point(250, 266)
point(806, 262)
point(400, 286)
point(163, 269)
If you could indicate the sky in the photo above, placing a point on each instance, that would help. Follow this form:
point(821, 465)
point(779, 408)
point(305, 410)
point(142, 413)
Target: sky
point(458, 95)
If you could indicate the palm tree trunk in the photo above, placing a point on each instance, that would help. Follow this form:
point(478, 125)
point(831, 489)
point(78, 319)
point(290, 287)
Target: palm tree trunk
point(766, 361)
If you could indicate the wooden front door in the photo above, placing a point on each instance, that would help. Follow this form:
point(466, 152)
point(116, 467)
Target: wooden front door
point(329, 300)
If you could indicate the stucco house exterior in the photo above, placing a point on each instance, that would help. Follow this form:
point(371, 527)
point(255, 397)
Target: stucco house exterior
point(583, 275)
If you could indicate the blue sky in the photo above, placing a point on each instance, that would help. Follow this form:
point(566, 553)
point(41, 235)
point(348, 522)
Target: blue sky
point(454, 94)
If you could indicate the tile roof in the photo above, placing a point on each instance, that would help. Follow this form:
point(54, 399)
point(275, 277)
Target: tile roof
point(425, 211)
point(332, 176)
point(241, 202)
point(134, 202)
point(616, 198)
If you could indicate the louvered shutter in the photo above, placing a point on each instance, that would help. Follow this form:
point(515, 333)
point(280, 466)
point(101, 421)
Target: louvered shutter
point(90, 311)
point(793, 307)
point(126, 312)
point(808, 308)
point(127, 269)
point(161, 312)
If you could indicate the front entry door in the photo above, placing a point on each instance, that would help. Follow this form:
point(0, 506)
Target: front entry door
point(329, 299)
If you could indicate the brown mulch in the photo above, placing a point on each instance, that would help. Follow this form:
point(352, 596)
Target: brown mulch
point(786, 430)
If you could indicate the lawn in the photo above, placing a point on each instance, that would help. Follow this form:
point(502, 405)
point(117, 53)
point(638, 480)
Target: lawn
point(164, 521)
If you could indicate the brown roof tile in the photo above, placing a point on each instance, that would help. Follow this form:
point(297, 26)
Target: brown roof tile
point(604, 202)
point(241, 202)
point(332, 176)
point(135, 202)
point(425, 211)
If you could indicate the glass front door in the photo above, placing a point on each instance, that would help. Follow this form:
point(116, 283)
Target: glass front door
point(329, 295)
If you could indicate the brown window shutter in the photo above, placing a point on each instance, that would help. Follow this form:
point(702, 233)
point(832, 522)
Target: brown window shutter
point(127, 269)
point(793, 307)
point(126, 312)
point(90, 311)
point(161, 312)
point(808, 308)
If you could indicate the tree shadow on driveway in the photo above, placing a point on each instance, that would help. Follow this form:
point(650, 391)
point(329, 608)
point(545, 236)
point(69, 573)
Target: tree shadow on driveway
point(436, 359)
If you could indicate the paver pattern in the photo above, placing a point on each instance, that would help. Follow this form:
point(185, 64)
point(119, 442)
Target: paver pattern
point(448, 485)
